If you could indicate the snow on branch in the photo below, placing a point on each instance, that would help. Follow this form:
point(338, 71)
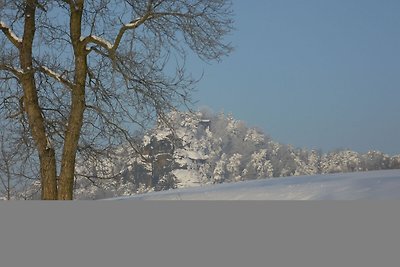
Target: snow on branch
point(136, 23)
point(55, 76)
point(149, 15)
point(16, 72)
point(10, 34)
point(113, 47)
point(97, 40)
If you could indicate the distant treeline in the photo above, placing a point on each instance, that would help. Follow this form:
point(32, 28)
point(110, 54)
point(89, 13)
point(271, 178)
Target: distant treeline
point(208, 148)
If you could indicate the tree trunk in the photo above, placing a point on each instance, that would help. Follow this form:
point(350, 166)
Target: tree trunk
point(75, 120)
point(48, 175)
point(66, 183)
point(33, 110)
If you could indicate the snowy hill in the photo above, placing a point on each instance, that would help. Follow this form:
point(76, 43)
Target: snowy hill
point(377, 185)
point(206, 149)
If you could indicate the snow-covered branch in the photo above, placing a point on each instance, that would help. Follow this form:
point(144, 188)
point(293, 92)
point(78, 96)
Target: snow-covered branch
point(10, 34)
point(130, 26)
point(108, 45)
point(56, 76)
point(97, 40)
point(149, 15)
point(15, 71)
point(112, 47)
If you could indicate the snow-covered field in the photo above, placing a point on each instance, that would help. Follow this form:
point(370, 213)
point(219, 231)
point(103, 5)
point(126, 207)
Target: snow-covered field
point(382, 185)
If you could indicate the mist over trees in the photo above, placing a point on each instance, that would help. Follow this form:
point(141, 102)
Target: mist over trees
point(78, 76)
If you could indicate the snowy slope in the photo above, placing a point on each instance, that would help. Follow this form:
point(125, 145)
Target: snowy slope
point(348, 186)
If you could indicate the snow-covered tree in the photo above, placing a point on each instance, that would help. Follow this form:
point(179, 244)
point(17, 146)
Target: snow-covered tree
point(341, 161)
point(375, 160)
point(259, 166)
point(219, 173)
point(233, 167)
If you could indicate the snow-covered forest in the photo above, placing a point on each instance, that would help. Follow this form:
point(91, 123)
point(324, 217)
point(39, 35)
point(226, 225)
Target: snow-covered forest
point(206, 148)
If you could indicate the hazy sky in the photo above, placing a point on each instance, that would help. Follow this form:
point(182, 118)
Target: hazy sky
point(313, 73)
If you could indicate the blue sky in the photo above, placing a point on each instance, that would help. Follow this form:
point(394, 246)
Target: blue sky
point(313, 73)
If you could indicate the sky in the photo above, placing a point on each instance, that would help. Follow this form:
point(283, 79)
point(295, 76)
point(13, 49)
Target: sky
point(316, 74)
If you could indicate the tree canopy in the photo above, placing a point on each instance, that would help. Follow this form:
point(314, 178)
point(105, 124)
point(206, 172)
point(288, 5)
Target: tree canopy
point(78, 76)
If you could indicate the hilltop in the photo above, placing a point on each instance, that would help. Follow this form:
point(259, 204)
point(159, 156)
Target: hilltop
point(204, 148)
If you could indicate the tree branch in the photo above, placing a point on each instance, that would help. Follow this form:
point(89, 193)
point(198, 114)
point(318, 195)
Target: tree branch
point(98, 41)
point(108, 45)
point(16, 72)
point(17, 42)
point(56, 76)
point(149, 15)
point(130, 26)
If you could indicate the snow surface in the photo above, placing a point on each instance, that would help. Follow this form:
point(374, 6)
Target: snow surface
point(377, 185)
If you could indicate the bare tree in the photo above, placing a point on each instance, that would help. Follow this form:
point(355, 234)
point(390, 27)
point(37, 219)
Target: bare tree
point(83, 75)
point(17, 166)
point(6, 162)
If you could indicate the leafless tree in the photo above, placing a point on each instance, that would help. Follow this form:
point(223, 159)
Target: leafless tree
point(80, 76)
point(18, 169)
point(6, 179)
